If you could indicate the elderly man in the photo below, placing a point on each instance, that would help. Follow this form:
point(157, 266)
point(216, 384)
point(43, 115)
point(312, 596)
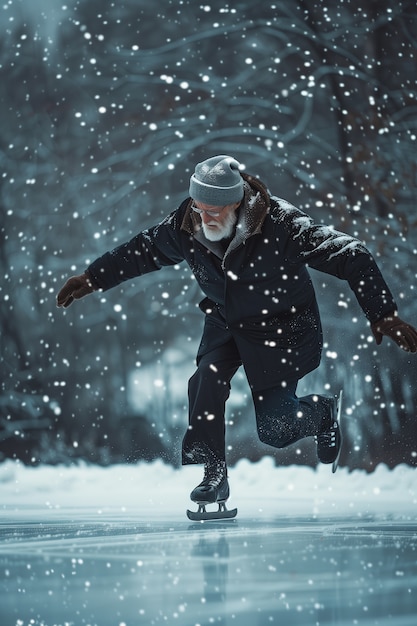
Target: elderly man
point(249, 252)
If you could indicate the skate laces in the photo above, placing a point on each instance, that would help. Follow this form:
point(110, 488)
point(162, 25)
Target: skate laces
point(327, 438)
point(213, 475)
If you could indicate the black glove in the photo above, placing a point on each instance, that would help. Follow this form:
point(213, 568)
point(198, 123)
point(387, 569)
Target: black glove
point(402, 333)
point(75, 288)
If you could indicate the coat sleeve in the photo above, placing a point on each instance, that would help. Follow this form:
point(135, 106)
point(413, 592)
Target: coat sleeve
point(148, 251)
point(336, 253)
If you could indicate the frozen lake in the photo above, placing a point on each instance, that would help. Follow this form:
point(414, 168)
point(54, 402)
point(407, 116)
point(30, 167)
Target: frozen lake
point(71, 568)
point(93, 546)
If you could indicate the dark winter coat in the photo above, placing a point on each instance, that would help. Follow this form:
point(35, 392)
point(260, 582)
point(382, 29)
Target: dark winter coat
point(259, 287)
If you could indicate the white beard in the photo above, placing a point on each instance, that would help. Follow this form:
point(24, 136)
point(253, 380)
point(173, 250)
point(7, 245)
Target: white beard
point(222, 231)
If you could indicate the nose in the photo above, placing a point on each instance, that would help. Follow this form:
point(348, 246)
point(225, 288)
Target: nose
point(207, 218)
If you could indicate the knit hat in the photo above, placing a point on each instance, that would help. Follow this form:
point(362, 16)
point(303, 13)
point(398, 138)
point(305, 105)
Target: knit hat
point(217, 181)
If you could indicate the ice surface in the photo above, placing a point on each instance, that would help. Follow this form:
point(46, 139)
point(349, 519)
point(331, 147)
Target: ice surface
point(112, 547)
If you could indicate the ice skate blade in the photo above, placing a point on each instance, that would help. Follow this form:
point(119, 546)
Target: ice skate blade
point(202, 515)
point(339, 419)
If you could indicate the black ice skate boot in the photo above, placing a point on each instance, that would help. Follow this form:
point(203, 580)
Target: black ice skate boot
point(329, 442)
point(214, 488)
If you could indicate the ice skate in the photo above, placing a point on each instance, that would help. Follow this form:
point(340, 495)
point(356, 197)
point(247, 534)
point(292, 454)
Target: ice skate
point(213, 489)
point(329, 443)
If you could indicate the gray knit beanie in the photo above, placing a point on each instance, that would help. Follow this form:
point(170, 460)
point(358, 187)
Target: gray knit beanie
point(217, 181)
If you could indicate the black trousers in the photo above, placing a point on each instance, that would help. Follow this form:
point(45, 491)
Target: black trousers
point(281, 417)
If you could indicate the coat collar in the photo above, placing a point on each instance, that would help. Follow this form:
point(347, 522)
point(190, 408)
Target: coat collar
point(252, 212)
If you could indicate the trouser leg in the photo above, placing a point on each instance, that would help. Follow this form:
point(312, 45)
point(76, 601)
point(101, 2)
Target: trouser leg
point(282, 418)
point(208, 390)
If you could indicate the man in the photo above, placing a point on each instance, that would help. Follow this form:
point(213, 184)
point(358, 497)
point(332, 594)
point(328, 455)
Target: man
point(249, 252)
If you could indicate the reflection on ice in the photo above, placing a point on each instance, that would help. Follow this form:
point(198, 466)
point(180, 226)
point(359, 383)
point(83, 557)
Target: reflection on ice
point(252, 572)
point(213, 554)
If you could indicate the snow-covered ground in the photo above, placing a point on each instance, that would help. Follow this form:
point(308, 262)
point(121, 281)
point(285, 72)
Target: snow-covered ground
point(87, 545)
point(152, 489)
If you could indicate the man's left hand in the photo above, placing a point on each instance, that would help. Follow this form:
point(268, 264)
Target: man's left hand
point(399, 331)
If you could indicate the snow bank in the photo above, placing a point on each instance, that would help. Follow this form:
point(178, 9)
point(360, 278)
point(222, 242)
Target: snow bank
point(151, 490)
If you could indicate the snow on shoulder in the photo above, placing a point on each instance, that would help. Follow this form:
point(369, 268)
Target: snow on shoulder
point(323, 238)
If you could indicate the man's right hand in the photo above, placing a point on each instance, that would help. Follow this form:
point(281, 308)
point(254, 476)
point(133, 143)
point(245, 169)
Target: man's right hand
point(75, 288)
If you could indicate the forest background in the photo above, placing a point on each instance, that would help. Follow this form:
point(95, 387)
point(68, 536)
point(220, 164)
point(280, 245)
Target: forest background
point(105, 108)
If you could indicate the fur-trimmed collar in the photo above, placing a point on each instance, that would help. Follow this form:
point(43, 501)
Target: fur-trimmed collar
point(252, 211)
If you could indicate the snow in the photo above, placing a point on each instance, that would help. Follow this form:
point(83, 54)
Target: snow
point(107, 108)
point(151, 490)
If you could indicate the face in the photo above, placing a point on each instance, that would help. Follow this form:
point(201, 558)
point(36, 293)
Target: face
point(217, 222)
